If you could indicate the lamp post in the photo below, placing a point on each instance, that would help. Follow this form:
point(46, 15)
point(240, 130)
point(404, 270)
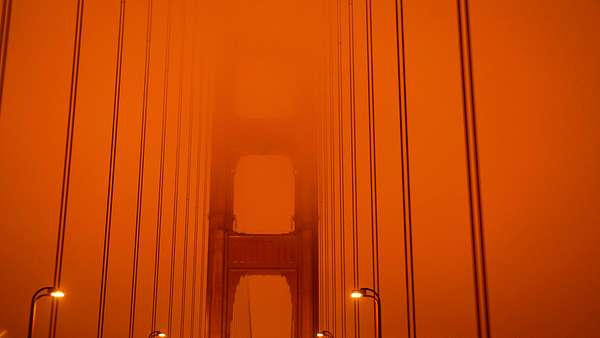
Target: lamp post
point(324, 334)
point(157, 334)
point(370, 293)
point(48, 291)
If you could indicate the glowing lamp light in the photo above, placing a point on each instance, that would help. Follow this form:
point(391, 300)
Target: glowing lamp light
point(357, 294)
point(162, 334)
point(374, 295)
point(57, 294)
point(48, 291)
point(320, 334)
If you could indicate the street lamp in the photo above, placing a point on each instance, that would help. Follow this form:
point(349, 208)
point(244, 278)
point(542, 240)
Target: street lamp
point(370, 293)
point(324, 334)
point(157, 334)
point(48, 291)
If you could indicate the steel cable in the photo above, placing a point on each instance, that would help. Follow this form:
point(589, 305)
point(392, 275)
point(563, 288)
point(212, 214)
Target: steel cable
point(68, 157)
point(111, 174)
point(141, 167)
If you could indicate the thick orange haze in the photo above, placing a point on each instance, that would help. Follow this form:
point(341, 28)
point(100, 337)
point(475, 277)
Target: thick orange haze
point(269, 62)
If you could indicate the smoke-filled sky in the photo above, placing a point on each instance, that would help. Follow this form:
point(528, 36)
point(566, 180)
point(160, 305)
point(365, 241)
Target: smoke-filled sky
point(197, 76)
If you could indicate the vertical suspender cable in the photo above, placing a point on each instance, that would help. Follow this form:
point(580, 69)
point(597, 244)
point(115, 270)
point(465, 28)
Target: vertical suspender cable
point(4, 35)
point(325, 216)
point(195, 250)
point(176, 190)
point(201, 225)
point(187, 194)
point(111, 173)
point(372, 149)
point(405, 172)
point(332, 268)
point(203, 255)
point(196, 225)
point(322, 206)
point(205, 223)
point(332, 160)
point(140, 184)
point(472, 166)
point(329, 178)
point(162, 167)
point(372, 145)
point(353, 163)
point(197, 195)
point(341, 169)
point(324, 221)
point(186, 226)
point(66, 177)
point(322, 215)
point(206, 132)
point(331, 193)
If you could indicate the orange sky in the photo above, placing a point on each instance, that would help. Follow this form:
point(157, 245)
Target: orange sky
point(536, 79)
